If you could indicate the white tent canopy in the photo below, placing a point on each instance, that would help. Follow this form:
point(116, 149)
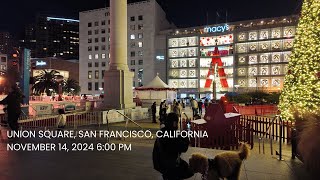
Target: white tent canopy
point(156, 83)
point(155, 91)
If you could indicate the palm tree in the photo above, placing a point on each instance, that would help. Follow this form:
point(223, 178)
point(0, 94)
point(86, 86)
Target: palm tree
point(46, 82)
point(71, 86)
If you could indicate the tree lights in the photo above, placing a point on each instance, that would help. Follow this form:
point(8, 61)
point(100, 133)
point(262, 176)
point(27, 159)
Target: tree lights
point(302, 84)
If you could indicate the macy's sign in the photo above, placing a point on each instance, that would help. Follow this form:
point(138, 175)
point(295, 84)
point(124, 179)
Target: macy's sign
point(213, 29)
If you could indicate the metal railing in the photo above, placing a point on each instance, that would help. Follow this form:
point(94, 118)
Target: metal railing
point(277, 117)
point(129, 119)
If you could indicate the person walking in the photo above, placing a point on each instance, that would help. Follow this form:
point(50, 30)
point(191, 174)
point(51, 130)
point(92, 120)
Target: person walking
point(13, 102)
point(200, 107)
point(153, 111)
point(166, 152)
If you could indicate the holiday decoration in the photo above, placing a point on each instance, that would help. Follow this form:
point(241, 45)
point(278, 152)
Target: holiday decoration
point(301, 87)
point(221, 74)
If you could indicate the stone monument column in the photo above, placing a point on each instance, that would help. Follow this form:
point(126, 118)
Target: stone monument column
point(118, 79)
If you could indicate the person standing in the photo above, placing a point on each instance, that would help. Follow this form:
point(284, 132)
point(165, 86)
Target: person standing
point(153, 111)
point(13, 102)
point(200, 106)
point(166, 152)
point(206, 104)
point(194, 106)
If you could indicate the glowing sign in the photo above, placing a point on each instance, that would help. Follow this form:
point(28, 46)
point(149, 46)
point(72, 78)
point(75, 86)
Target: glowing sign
point(41, 63)
point(214, 29)
point(62, 19)
point(160, 58)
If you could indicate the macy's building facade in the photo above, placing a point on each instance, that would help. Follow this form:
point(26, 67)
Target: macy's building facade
point(239, 56)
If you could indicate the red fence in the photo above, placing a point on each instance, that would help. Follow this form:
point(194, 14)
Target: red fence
point(240, 131)
point(267, 128)
point(258, 110)
point(243, 131)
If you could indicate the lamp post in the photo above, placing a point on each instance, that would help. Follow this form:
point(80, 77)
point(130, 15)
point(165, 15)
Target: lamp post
point(213, 77)
point(214, 89)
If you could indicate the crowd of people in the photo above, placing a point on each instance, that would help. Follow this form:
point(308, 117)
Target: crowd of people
point(167, 151)
point(176, 107)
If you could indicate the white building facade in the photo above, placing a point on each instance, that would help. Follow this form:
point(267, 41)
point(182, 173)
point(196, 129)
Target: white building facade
point(145, 55)
point(253, 55)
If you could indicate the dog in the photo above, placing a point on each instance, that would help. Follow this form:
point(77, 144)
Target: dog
point(224, 165)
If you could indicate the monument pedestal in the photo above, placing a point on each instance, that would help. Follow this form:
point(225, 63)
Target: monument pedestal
point(118, 89)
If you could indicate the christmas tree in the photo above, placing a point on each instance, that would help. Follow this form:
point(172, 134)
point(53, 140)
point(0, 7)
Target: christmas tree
point(302, 82)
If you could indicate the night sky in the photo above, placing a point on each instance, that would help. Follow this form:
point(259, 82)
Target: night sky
point(15, 14)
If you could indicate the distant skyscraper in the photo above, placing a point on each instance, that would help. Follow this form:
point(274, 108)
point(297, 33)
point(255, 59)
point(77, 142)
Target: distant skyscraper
point(53, 37)
point(6, 42)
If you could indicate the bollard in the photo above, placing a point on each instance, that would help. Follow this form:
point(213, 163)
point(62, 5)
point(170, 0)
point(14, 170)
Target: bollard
point(259, 145)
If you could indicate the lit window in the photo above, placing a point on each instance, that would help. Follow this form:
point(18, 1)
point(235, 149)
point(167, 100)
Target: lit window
point(140, 35)
point(132, 36)
point(89, 74)
point(90, 56)
point(96, 56)
point(109, 55)
point(140, 44)
point(103, 56)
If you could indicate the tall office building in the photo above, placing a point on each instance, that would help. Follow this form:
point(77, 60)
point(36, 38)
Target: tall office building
point(146, 46)
point(53, 37)
point(6, 43)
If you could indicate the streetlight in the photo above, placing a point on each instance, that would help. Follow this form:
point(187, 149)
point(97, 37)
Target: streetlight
point(213, 77)
point(214, 89)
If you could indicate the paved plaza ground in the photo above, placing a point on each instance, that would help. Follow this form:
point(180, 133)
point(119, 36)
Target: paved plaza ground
point(131, 165)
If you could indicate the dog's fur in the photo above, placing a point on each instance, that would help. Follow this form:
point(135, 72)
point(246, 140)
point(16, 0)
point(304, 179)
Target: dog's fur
point(224, 165)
